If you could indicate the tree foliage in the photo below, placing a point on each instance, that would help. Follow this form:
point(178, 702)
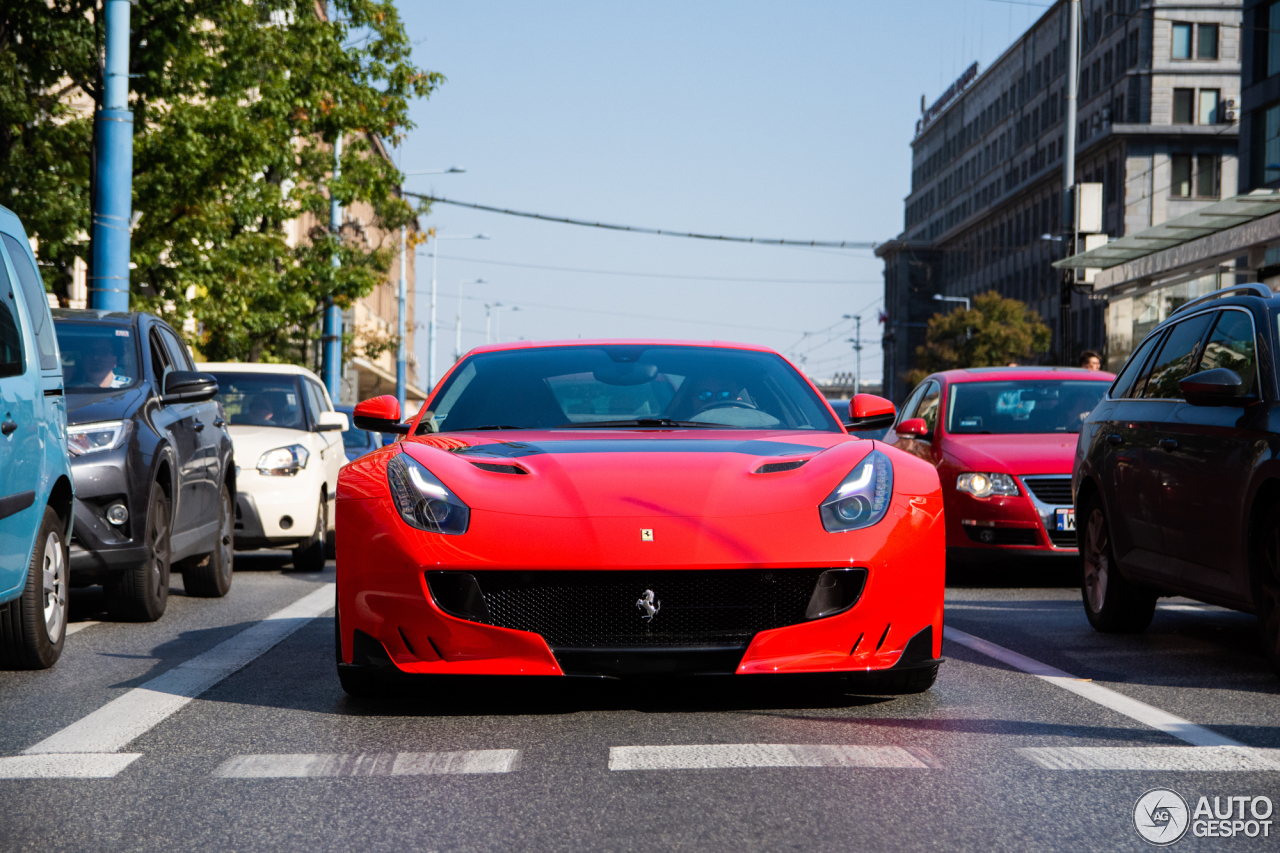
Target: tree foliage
point(236, 106)
point(993, 333)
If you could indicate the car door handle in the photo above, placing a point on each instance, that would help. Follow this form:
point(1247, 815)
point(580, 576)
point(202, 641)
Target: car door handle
point(1169, 443)
point(219, 423)
point(1115, 438)
point(8, 426)
point(199, 425)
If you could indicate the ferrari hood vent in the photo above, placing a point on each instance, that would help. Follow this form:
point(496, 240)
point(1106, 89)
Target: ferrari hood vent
point(774, 467)
point(499, 468)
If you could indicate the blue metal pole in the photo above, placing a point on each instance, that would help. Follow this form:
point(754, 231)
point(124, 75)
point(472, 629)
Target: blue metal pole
point(332, 336)
point(109, 287)
point(401, 372)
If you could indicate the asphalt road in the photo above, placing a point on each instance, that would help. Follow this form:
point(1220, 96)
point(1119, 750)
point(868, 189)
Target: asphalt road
point(1027, 744)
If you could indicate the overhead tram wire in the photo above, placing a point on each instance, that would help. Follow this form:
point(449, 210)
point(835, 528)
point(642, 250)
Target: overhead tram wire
point(720, 238)
point(668, 275)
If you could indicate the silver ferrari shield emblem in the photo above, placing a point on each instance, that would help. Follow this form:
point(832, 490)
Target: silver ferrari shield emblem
point(648, 606)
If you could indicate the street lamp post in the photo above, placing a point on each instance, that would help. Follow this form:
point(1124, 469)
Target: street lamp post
point(457, 329)
point(431, 327)
point(490, 310)
point(112, 219)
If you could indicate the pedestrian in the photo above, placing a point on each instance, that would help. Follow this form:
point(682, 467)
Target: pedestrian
point(1090, 360)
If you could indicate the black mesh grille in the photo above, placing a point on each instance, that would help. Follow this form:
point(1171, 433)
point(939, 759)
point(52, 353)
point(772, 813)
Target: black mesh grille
point(1050, 490)
point(1063, 538)
point(590, 609)
point(1002, 535)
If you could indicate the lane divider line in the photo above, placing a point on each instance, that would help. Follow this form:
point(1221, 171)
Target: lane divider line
point(1175, 759)
point(66, 765)
point(369, 764)
point(726, 756)
point(1148, 715)
point(77, 627)
point(125, 718)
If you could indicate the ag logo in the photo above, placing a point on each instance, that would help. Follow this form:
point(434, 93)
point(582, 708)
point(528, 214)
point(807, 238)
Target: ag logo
point(1160, 816)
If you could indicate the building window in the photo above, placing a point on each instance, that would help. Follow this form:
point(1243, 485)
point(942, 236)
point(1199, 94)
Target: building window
point(1272, 39)
point(1209, 99)
point(1133, 48)
point(1184, 106)
point(1194, 176)
point(1106, 67)
point(1207, 45)
point(1207, 175)
point(1181, 41)
point(1267, 142)
point(1180, 164)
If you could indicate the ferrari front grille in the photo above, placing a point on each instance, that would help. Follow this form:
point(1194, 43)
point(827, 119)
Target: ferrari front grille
point(629, 609)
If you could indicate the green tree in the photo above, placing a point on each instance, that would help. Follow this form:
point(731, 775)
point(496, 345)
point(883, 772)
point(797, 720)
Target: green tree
point(236, 106)
point(993, 333)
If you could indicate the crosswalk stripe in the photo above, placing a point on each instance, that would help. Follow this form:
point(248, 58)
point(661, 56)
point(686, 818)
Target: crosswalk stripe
point(1218, 759)
point(66, 765)
point(114, 725)
point(370, 764)
point(741, 755)
point(1146, 714)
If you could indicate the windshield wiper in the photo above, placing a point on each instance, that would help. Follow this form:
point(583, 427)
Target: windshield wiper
point(639, 422)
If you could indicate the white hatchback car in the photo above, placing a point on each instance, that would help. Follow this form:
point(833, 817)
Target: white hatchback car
point(288, 450)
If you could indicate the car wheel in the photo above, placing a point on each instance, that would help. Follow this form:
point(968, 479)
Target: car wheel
point(1266, 585)
point(310, 555)
point(210, 576)
point(141, 592)
point(894, 682)
point(34, 626)
point(1112, 603)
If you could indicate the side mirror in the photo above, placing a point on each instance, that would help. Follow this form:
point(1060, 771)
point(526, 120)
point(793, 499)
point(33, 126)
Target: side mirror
point(185, 386)
point(1217, 387)
point(867, 411)
point(381, 414)
point(332, 422)
point(914, 427)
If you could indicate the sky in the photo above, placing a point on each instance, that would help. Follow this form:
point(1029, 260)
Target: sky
point(770, 120)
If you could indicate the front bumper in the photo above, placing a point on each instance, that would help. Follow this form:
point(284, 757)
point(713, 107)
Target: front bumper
point(1021, 525)
point(387, 614)
point(100, 550)
point(265, 505)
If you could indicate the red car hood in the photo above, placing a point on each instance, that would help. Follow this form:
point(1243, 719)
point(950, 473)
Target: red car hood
point(707, 473)
point(1013, 454)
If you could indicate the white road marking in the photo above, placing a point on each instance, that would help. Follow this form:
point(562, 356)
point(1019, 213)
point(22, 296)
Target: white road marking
point(76, 627)
point(1118, 702)
point(65, 766)
point(1217, 759)
point(1195, 608)
point(114, 725)
point(370, 764)
point(739, 755)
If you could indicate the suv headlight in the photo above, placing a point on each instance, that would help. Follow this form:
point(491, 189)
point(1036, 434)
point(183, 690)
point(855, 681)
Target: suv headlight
point(97, 438)
point(862, 498)
point(283, 461)
point(423, 501)
point(986, 485)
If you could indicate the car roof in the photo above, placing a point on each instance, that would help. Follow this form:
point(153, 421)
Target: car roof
point(596, 342)
point(94, 314)
point(255, 367)
point(989, 374)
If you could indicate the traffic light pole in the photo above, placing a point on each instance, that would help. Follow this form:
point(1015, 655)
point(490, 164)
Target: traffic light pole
point(332, 335)
point(113, 195)
point(1070, 203)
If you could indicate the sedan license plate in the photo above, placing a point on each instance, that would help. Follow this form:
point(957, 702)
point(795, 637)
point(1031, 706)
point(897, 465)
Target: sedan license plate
point(1067, 519)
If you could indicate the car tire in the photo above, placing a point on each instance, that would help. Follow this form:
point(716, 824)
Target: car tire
point(1112, 603)
point(310, 555)
point(209, 576)
point(34, 625)
point(141, 592)
point(1265, 583)
point(899, 682)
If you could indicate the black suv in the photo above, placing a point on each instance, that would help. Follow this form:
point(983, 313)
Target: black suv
point(1177, 470)
point(151, 461)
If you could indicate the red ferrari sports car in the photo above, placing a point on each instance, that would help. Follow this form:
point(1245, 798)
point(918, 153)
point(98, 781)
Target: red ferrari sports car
point(630, 508)
point(1003, 440)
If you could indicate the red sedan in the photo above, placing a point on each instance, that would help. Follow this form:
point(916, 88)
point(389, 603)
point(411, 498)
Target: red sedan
point(631, 508)
point(1003, 440)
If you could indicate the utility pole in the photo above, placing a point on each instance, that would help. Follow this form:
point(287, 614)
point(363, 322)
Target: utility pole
point(1070, 204)
point(113, 195)
point(332, 335)
point(856, 340)
point(401, 296)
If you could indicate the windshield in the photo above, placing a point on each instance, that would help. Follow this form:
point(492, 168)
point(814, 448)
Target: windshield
point(1026, 406)
point(578, 386)
point(261, 399)
point(97, 356)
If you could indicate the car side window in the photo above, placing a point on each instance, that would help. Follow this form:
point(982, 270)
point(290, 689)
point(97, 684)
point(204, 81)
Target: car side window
point(913, 402)
point(1174, 361)
point(929, 405)
point(177, 350)
point(1126, 380)
point(159, 359)
point(314, 408)
point(37, 303)
point(1232, 346)
point(10, 330)
point(322, 402)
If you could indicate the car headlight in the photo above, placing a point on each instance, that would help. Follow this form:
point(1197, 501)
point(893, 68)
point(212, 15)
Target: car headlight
point(423, 501)
point(97, 438)
point(862, 498)
point(986, 485)
point(283, 461)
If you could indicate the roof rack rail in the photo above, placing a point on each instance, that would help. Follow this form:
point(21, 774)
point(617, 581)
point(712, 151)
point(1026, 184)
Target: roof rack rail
point(1254, 288)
